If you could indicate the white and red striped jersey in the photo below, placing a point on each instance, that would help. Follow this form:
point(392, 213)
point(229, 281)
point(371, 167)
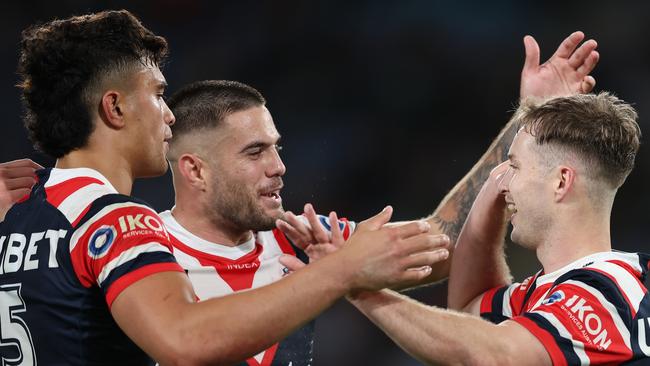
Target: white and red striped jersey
point(66, 252)
point(217, 270)
point(594, 311)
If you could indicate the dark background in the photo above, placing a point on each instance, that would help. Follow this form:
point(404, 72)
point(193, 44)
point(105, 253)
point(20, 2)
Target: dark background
point(378, 102)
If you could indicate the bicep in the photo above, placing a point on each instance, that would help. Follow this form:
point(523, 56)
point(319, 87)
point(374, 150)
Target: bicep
point(524, 348)
point(148, 309)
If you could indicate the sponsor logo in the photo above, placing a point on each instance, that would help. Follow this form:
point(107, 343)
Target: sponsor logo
point(587, 322)
point(555, 297)
point(101, 240)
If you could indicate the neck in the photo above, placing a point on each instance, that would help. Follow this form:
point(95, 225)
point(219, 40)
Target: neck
point(570, 240)
point(215, 231)
point(117, 171)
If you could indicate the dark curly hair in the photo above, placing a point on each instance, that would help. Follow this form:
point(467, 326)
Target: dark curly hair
point(65, 63)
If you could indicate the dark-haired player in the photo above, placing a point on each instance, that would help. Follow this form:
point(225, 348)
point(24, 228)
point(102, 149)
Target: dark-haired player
point(86, 273)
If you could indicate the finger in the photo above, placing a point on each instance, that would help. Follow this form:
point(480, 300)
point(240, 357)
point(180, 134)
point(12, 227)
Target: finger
point(424, 259)
point(319, 251)
point(26, 163)
point(425, 243)
point(377, 221)
point(411, 229)
point(317, 229)
point(291, 262)
point(415, 274)
point(569, 44)
point(589, 64)
point(588, 84)
point(299, 226)
point(17, 172)
point(532, 53)
point(18, 183)
point(291, 233)
point(18, 194)
point(582, 53)
point(337, 234)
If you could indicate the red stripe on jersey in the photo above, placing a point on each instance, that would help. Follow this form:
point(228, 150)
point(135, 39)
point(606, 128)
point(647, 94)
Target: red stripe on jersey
point(589, 322)
point(545, 338)
point(486, 301)
point(627, 266)
point(131, 225)
point(59, 192)
point(346, 228)
point(267, 359)
point(238, 273)
point(620, 288)
point(130, 278)
point(283, 242)
point(81, 216)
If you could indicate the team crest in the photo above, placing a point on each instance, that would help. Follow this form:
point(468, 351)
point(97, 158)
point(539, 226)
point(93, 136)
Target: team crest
point(555, 297)
point(100, 241)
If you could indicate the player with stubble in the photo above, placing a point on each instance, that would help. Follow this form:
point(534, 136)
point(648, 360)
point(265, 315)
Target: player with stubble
point(88, 276)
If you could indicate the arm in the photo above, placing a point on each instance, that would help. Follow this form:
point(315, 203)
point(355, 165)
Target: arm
point(480, 247)
point(160, 315)
point(565, 73)
point(437, 336)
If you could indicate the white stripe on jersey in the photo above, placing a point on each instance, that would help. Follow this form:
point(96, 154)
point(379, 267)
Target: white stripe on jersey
point(578, 347)
point(129, 254)
point(507, 309)
point(206, 281)
point(611, 309)
point(73, 206)
point(81, 230)
point(61, 175)
point(625, 280)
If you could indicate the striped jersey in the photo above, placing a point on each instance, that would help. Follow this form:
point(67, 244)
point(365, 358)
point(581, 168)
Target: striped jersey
point(217, 270)
point(66, 252)
point(593, 311)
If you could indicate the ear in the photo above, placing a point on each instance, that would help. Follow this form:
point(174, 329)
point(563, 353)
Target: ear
point(192, 170)
point(564, 184)
point(110, 109)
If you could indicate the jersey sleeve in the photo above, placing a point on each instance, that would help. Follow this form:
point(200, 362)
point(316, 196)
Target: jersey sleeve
point(118, 244)
point(581, 321)
point(502, 303)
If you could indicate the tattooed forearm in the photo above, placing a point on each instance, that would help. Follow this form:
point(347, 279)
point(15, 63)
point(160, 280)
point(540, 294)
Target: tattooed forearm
point(452, 212)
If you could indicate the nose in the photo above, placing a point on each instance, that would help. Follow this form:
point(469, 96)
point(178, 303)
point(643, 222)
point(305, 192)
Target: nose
point(276, 166)
point(504, 184)
point(168, 115)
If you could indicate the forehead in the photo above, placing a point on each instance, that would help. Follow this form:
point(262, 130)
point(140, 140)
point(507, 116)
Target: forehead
point(522, 145)
point(149, 76)
point(250, 124)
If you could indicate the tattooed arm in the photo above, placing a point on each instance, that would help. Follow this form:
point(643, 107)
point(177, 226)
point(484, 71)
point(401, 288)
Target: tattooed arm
point(565, 73)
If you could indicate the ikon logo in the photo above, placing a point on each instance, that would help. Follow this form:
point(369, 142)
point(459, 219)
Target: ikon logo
point(589, 319)
point(139, 222)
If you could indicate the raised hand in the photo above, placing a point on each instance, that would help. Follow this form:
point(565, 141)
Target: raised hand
point(565, 73)
point(313, 238)
point(16, 181)
point(381, 256)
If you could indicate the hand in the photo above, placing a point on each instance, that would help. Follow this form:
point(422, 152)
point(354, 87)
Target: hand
point(312, 238)
point(565, 73)
point(16, 181)
point(381, 256)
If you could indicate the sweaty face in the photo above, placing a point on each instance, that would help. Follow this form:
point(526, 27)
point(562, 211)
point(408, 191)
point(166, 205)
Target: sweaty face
point(247, 171)
point(528, 192)
point(148, 121)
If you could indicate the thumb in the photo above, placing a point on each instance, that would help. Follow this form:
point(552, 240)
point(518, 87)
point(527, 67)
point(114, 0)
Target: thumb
point(291, 262)
point(532, 54)
point(379, 220)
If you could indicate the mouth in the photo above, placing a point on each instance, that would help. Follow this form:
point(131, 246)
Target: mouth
point(272, 196)
point(512, 209)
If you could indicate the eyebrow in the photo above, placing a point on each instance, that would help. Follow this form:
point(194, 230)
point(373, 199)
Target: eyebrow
point(258, 143)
